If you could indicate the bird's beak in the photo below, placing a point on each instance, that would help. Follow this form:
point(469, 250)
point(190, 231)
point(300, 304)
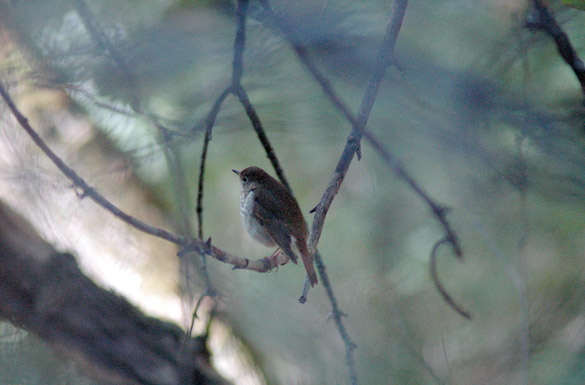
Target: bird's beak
point(237, 172)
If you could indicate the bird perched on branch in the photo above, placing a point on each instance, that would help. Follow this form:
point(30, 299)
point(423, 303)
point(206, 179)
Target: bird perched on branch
point(272, 216)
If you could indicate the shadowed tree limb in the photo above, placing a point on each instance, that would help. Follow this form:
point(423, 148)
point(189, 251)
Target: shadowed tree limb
point(44, 292)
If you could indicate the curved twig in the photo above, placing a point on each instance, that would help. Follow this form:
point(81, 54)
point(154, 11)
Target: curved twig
point(439, 285)
point(440, 212)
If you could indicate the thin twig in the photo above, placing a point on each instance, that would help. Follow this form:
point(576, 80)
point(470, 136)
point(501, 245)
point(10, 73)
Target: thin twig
point(257, 124)
point(209, 122)
point(541, 18)
point(337, 314)
point(236, 89)
point(239, 42)
point(438, 211)
point(194, 315)
point(385, 57)
point(359, 124)
point(439, 285)
point(238, 68)
point(352, 145)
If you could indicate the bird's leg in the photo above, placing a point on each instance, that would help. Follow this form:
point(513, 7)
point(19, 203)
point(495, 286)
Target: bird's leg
point(274, 258)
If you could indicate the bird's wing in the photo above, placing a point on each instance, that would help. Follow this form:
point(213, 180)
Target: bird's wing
point(270, 213)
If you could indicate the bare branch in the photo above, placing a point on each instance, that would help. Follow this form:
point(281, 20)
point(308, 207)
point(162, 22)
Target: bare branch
point(358, 124)
point(239, 42)
point(236, 89)
point(385, 58)
point(257, 124)
point(352, 146)
point(439, 285)
point(188, 244)
point(438, 211)
point(337, 314)
point(209, 122)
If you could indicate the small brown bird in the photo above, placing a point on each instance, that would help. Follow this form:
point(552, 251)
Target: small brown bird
point(272, 216)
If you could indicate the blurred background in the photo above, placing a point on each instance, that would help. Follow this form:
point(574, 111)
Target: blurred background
point(483, 113)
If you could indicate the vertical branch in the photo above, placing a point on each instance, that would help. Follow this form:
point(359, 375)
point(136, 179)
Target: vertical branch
point(239, 42)
point(337, 315)
point(209, 122)
point(238, 90)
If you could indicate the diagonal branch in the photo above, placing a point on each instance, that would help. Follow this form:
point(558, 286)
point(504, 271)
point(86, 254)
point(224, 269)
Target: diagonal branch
point(352, 144)
point(359, 125)
point(541, 18)
point(46, 293)
point(169, 148)
point(384, 59)
point(205, 248)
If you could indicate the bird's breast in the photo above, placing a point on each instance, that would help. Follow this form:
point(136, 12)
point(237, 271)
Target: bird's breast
point(251, 224)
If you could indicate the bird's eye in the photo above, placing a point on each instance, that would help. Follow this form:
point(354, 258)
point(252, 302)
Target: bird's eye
point(245, 179)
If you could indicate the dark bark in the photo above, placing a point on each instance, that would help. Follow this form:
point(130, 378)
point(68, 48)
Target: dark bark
point(44, 292)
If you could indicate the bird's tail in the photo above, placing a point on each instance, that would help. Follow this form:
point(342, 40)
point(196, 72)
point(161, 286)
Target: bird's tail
point(308, 262)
